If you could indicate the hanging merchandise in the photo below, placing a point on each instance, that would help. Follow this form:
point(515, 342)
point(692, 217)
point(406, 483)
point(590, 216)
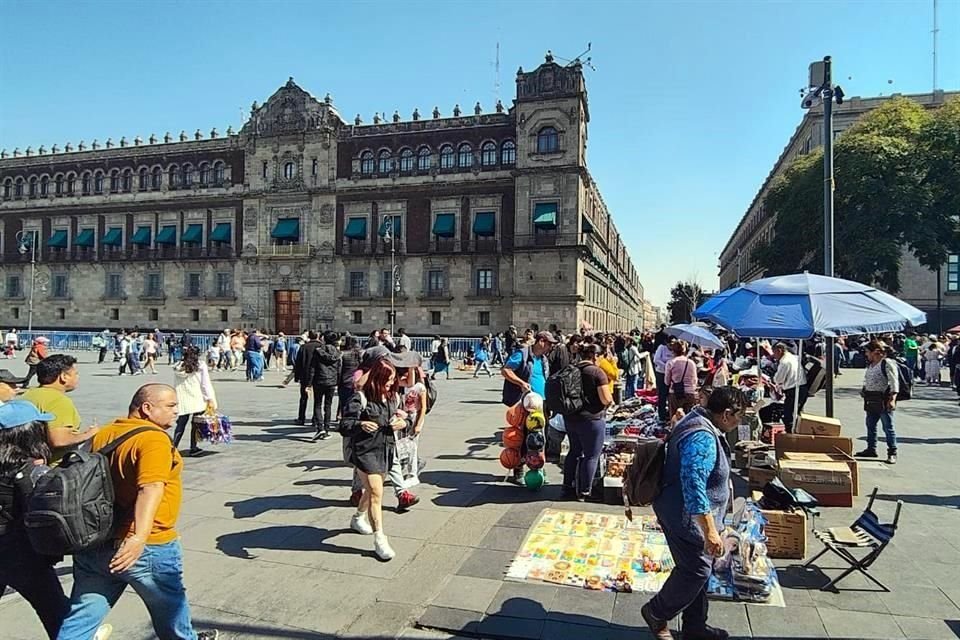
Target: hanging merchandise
point(516, 415)
point(535, 460)
point(536, 441)
point(533, 402)
point(536, 420)
point(512, 438)
point(510, 458)
point(534, 479)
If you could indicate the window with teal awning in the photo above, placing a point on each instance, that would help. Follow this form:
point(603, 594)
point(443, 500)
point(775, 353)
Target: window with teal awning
point(86, 238)
point(445, 225)
point(141, 237)
point(485, 223)
point(356, 229)
point(545, 215)
point(223, 232)
point(114, 237)
point(167, 235)
point(286, 229)
point(58, 240)
point(385, 226)
point(193, 234)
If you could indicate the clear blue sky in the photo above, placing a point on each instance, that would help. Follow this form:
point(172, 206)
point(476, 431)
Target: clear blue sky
point(691, 102)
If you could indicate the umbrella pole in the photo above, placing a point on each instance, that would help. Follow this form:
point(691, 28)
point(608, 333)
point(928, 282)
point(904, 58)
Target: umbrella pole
point(796, 392)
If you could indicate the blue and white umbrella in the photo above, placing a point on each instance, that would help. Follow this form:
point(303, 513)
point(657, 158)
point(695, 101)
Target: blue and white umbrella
point(694, 334)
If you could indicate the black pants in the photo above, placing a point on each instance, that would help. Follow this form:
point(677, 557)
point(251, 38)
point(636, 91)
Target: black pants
point(343, 395)
point(662, 391)
point(103, 355)
point(323, 406)
point(304, 398)
point(34, 578)
point(686, 589)
point(183, 422)
point(789, 396)
point(32, 372)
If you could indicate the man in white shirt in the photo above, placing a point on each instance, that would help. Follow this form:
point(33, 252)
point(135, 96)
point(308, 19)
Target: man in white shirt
point(790, 380)
point(660, 359)
point(403, 341)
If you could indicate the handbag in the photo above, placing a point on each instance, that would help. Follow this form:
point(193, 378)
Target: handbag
point(874, 402)
point(679, 389)
point(213, 427)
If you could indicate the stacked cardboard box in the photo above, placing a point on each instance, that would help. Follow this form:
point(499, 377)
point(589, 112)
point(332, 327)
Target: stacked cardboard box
point(820, 465)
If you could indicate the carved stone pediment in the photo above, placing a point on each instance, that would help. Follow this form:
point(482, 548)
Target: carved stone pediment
point(291, 110)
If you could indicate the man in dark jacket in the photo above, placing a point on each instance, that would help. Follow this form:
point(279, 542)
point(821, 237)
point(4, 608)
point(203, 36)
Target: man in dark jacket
point(324, 376)
point(301, 373)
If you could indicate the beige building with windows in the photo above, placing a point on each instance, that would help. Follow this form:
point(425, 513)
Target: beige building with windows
point(918, 284)
point(469, 222)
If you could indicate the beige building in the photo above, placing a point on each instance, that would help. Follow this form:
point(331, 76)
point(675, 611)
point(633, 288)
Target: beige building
point(918, 284)
point(472, 221)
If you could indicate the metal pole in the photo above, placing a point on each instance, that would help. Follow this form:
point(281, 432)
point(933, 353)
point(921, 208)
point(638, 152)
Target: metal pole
point(393, 266)
point(939, 302)
point(828, 216)
point(33, 277)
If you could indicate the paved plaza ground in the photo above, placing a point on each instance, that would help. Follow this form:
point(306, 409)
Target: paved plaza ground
point(268, 552)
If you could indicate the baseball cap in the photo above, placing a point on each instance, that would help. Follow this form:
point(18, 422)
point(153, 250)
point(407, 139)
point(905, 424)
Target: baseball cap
point(7, 376)
point(18, 412)
point(546, 335)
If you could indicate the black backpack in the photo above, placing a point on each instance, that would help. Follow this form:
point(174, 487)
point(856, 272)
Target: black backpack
point(565, 391)
point(71, 508)
point(643, 479)
point(13, 491)
point(905, 375)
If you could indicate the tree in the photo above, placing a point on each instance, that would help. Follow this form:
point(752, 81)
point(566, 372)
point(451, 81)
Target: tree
point(684, 298)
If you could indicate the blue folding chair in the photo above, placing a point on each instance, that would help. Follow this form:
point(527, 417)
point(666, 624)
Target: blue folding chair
point(867, 533)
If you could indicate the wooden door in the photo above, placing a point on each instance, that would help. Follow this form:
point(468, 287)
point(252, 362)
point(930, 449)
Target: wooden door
point(287, 306)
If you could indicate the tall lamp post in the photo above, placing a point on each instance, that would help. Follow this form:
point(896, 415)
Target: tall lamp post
point(27, 241)
point(389, 236)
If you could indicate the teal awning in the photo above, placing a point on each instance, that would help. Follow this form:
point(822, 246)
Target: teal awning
point(193, 234)
point(445, 225)
point(356, 229)
point(385, 226)
point(286, 229)
point(223, 232)
point(485, 223)
point(58, 239)
point(114, 237)
point(86, 238)
point(167, 235)
point(141, 237)
point(545, 215)
point(587, 225)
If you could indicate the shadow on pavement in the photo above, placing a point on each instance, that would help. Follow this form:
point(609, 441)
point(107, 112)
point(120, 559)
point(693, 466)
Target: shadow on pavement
point(952, 502)
point(286, 538)
point(313, 465)
point(253, 507)
point(273, 435)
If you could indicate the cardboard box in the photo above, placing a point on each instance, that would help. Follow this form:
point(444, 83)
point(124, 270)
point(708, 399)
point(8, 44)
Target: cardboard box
point(744, 451)
point(818, 425)
point(758, 477)
point(831, 457)
point(786, 534)
point(830, 482)
point(830, 445)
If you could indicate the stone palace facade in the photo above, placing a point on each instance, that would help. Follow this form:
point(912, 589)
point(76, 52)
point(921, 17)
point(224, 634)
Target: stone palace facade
point(301, 219)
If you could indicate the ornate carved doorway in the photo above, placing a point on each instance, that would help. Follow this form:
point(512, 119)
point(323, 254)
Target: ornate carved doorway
point(287, 307)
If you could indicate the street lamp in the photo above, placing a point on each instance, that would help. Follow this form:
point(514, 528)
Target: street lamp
point(388, 237)
point(27, 241)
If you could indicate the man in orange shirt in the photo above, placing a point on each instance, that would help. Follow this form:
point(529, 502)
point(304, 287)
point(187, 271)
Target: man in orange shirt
point(146, 553)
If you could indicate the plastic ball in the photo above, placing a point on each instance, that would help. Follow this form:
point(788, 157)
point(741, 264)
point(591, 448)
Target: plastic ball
point(535, 460)
point(536, 420)
point(533, 402)
point(536, 441)
point(510, 458)
point(512, 437)
point(516, 415)
point(534, 479)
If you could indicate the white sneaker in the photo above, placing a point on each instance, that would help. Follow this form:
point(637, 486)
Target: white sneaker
point(382, 547)
point(360, 524)
point(103, 632)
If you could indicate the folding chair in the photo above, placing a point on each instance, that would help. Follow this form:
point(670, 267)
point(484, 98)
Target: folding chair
point(866, 533)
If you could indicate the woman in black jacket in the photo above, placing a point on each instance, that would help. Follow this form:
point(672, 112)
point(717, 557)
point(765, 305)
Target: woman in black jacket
point(371, 417)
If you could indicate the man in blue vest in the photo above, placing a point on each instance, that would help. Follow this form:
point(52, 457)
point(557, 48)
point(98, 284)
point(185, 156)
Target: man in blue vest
point(690, 508)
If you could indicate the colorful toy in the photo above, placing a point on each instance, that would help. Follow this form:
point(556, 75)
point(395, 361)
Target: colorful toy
point(510, 458)
point(512, 437)
point(535, 460)
point(534, 479)
point(536, 420)
point(533, 402)
point(516, 415)
point(536, 441)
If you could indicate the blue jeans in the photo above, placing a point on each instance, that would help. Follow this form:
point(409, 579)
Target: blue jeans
point(156, 576)
point(254, 365)
point(886, 419)
point(586, 444)
point(630, 386)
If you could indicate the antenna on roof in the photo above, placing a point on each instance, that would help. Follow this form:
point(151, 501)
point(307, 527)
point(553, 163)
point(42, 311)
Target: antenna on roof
point(496, 72)
point(936, 30)
point(586, 62)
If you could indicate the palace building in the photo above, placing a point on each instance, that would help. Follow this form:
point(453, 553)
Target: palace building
point(462, 224)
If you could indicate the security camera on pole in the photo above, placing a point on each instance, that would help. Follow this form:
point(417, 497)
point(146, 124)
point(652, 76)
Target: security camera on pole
point(820, 89)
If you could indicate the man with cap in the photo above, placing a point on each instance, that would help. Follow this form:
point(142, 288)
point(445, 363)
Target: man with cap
point(9, 384)
point(526, 370)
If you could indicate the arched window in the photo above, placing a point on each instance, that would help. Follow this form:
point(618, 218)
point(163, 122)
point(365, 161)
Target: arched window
point(384, 162)
point(71, 178)
point(424, 159)
point(204, 174)
point(144, 181)
point(44, 186)
point(508, 152)
point(366, 162)
point(188, 175)
point(126, 184)
point(58, 184)
point(156, 179)
point(488, 154)
point(289, 170)
point(446, 157)
point(218, 173)
point(114, 181)
point(465, 156)
point(174, 180)
point(406, 160)
point(98, 182)
point(7, 188)
point(18, 192)
point(85, 184)
point(33, 187)
point(548, 141)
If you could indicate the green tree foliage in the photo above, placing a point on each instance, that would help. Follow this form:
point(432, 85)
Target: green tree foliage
point(897, 173)
point(684, 298)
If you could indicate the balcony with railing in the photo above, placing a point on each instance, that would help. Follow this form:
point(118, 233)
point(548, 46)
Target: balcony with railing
point(355, 247)
point(298, 250)
point(484, 244)
point(550, 239)
point(436, 295)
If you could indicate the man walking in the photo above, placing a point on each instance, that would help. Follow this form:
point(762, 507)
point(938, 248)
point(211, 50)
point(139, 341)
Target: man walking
point(690, 509)
point(403, 341)
point(146, 554)
point(791, 380)
point(301, 373)
point(323, 376)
